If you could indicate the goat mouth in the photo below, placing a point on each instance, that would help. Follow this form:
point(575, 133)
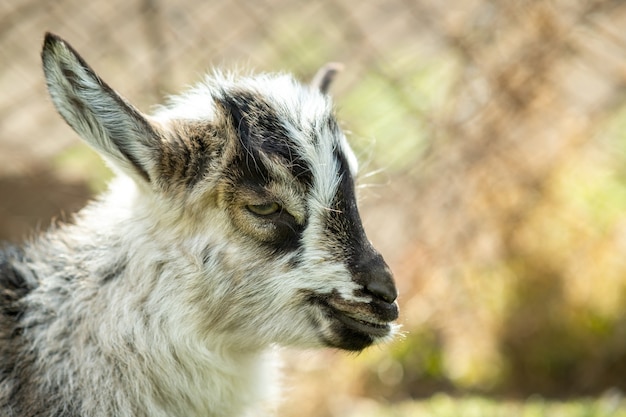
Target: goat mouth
point(360, 320)
point(361, 324)
point(353, 325)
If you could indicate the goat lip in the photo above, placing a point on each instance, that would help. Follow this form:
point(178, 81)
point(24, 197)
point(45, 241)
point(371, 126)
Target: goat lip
point(373, 325)
point(362, 324)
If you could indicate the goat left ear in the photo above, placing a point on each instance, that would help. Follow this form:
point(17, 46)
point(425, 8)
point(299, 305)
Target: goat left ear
point(325, 76)
point(116, 129)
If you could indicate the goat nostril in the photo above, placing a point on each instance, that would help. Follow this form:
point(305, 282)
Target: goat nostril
point(380, 284)
point(374, 275)
point(383, 289)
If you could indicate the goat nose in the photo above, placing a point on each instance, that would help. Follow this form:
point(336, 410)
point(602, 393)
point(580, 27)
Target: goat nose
point(381, 285)
point(378, 280)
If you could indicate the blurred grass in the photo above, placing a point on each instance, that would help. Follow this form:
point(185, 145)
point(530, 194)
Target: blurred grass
point(442, 405)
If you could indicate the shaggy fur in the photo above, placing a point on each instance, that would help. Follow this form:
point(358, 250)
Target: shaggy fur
point(231, 227)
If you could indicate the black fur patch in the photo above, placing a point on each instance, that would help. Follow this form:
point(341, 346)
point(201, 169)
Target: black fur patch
point(260, 130)
point(13, 286)
point(343, 226)
point(343, 222)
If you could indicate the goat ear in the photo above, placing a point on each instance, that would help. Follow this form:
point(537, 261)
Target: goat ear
point(325, 76)
point(116, 129)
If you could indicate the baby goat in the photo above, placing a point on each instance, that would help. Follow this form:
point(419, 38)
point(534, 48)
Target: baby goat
point(231, 227)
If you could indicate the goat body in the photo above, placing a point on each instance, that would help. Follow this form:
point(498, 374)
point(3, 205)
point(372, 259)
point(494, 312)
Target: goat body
point(231, 227)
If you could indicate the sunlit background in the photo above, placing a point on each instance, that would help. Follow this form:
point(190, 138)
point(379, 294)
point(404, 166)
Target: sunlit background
point(492, 140)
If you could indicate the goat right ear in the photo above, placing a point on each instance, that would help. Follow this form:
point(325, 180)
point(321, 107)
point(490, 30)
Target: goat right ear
point(116, 129)
point(325, 76)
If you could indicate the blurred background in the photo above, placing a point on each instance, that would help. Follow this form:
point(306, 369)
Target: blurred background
point(492, 139)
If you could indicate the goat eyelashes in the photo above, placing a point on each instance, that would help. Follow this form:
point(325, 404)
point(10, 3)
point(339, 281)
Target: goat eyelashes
point(230, 227)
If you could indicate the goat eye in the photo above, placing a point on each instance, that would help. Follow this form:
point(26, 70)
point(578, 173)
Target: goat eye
point(263, 209)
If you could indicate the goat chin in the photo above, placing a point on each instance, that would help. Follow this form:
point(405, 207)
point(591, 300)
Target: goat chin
point(231, 227)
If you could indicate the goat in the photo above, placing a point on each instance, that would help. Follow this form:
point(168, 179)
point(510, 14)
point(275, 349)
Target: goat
point(231, 227)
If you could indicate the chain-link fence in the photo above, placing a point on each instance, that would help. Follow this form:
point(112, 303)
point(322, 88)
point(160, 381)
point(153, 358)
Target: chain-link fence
point(493, 133)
